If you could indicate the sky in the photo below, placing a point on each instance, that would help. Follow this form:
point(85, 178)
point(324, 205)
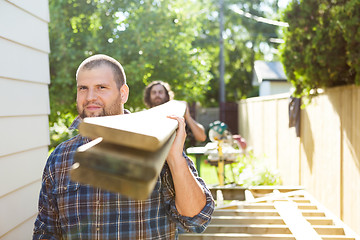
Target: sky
point(283, 3)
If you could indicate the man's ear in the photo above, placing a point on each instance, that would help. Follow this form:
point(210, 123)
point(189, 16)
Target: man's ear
point(124, 91)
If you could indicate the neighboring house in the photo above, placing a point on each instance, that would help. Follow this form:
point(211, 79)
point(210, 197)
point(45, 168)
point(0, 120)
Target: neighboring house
point(271, 78)
point(24, 98)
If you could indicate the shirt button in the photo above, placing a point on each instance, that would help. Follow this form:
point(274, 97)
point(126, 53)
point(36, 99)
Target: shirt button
point(97, 229)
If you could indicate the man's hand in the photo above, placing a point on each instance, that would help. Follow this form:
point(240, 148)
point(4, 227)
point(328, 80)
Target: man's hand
point(178, 145)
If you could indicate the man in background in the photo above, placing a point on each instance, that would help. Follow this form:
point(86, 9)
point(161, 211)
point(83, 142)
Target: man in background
point(159, 92)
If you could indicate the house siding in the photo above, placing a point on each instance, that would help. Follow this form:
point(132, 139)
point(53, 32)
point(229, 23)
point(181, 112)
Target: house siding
point(24, 131)
point(274, 87)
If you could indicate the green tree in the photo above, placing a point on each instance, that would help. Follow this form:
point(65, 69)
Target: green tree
point(322, 44)
point(245, 40)
point(152, 39)
point(77, 30)
point(173, 40)
point(155, 42)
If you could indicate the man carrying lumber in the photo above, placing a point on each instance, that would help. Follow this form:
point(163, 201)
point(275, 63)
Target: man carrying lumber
point(70, 210)
point(159, 92)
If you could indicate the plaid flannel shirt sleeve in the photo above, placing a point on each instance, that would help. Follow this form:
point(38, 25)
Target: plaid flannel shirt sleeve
point(197, 223)
point(47, 225)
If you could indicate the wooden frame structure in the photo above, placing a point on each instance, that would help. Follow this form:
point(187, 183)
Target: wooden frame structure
point(325, 159)
point(274, 213)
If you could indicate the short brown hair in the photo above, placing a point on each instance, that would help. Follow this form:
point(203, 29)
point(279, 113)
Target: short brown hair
point(169, 93)
point(101, 59)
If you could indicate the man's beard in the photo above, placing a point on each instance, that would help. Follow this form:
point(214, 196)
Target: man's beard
point(157, 103)
point(114, 109)
point(83, 114)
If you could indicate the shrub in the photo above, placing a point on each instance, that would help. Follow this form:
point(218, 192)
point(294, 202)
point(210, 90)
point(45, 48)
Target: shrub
point(322, 44)
point(60, 131)
point(254, 171)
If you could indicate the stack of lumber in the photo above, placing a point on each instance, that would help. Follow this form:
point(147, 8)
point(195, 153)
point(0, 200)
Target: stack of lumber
point(274, 213)
point(127, 151)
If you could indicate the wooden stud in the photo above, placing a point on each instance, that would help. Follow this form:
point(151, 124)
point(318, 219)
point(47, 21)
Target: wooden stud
point(298, 225)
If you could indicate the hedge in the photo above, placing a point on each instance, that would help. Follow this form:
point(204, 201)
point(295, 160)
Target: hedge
point(322, 44)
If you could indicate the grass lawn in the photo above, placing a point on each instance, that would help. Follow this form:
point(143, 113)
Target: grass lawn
point(209, 173)
point(248, 170)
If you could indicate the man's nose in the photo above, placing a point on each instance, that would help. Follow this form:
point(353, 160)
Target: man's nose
point(91, 95)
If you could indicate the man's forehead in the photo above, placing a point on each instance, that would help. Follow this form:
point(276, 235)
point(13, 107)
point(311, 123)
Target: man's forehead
point(158, 87)
point(94, 69)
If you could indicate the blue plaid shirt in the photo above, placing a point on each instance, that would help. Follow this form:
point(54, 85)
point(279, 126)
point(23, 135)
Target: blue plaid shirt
point(70, 210)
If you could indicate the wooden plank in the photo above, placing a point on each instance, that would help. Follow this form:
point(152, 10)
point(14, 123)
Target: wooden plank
point(234, 236)
point(229, 193)
point(263, 190)
point(241, 218)
point(299, 199)
point(276, 196)
point(243, 236)
point(138, 179)
point(320, 153)
point(243, 124)
point(18, 133)
point(325, 237)
point(133, 188)
point(119, 160)
point(233, 206)
point(299, 227)
point(265, 220)
point(308, 206)
point(129, 150)
point(336, 221)
point(312, 213)
point(146, 130)
point(258, 206)
point(18, 170)
point(249, 197)
point(34, 65)
point(245, 212)
point(319, 220)
point(248, 228)
point(270, 124)
point(23, 28)
point(329, 230)
point(257, 122)
point(262, 212)
point(288, 145)
point(268, 229)
point(30, 98)
point(350, 116)
point(247, 220)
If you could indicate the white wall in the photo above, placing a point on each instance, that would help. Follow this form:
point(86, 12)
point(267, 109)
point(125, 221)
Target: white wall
point(24, 97)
